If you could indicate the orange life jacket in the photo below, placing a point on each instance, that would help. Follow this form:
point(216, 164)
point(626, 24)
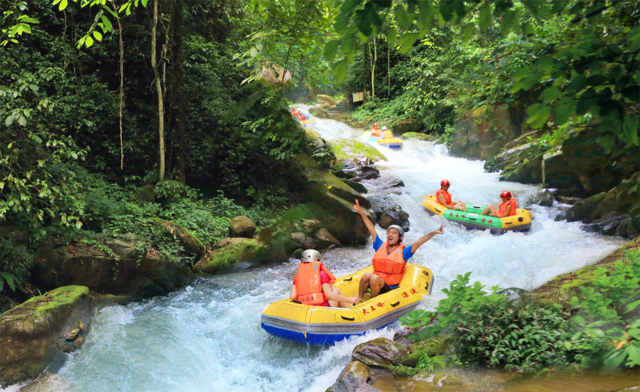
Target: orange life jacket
point(309, 284)
point(388, 134)
point(446, 195)
point(502, 208)
point(390, 267)
point(375, 133)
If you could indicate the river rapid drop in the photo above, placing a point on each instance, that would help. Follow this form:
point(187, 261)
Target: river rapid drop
point(207, 337)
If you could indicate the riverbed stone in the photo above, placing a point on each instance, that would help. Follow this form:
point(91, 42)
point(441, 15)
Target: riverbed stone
point(432, 347)
point(349, 148)
point(325, 99)
point(29, 331)
point(406, 125)
point(380, 352)
point(319, 111)
point(241, 226)
point(518, 164)
point(354, 378)
point(325, 239)
point(191, 244)
point(224, 258)
point(419, 136)
point(47, 382)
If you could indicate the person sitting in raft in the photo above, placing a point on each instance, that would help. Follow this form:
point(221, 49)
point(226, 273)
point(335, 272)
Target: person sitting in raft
point(386, 134)
point(506, 208)
point(390, 258)
point(375, 132)
point(443, 197)
point(313, 284)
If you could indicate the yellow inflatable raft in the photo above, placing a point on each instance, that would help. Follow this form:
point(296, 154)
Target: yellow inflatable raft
point(472, 219)
point(393, 144)
point(325, 325)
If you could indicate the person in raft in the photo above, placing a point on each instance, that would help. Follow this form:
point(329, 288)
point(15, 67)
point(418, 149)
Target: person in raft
point(506, 208)
point(313, 284)
point(390, 258)
point(386, 134)
point(375, 132)
point(444, 197)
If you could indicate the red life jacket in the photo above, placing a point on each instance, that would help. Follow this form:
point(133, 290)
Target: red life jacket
point(390, 267)
point(502, 208)
point(309, 284)
point(446, 195)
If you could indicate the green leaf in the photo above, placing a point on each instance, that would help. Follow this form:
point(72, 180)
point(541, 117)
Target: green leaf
point(578, 83)
point(97, 35)
point(485, 17)
point(595, 333)
point(538, 115)
point(467, 32)
point(88, 42)
point(340, 70)
point(9, 278)
point(613, 361)
point(63, 5)
point(22, 120)
point(9, 120)
point(426, 13)
point(107, 23)
point(402, 17)
point(392, 37)
point(551, 93)
point(607, 141)
point(330, 50)
point(578, 320)
point(632, 93)
point(634, 353)
point(407, 41)
point(507, 21)
point(566, 107)
point(634, 38)
point(527, 29)
point(630, 137)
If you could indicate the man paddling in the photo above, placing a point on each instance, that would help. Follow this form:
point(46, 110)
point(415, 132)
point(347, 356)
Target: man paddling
point(390, 258)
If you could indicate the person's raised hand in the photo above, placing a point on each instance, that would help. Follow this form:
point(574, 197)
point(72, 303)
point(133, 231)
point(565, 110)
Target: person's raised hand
point(439, 230)
point(357, 207)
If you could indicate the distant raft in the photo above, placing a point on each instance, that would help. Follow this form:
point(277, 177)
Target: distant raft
point(294, 321)
point(309, 119)
point(393, 144)
point(472, 219)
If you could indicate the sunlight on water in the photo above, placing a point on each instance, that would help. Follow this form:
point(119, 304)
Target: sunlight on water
point(207, 337)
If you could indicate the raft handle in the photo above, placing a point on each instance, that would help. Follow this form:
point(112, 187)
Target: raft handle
point(508, 223)
point(396, 304)
point(437, 210)
point(348, 318)
point(425, 272)
point(427, 286)
point(298, 302)
point(348, 280)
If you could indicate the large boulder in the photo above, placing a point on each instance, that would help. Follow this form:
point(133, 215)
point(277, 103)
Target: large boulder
point(353, 149)
point(380, 352)
point(483, 132)
point(354, 378)
point(613, 212)
point(241, 226)
point(388, 213)
point(519, 164)
point(117, 268)
point(406, 125)
point(432, 347)
point(190, 243)
point(324, 239)
point(319, 111)
point(226, 257)
point(419, 136)
point(325, 99)
point(30, 332)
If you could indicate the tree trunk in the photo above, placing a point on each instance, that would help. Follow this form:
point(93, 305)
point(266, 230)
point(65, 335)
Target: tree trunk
point(373, 69)
point(365, 73)
point(389, 70)
point(115, 9)
point(171, 97)
point(182, 156)
point(154, 65)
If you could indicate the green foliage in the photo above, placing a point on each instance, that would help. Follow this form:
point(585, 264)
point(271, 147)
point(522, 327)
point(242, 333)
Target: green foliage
point(608, 314)
point(14, 269)
point(425, 363)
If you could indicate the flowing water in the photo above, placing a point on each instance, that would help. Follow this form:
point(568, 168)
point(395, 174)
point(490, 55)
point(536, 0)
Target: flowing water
point(207, 337)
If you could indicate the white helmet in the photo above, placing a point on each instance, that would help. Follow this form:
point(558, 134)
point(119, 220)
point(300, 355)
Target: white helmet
point(400, 230)
point(383, 128)
point(310, 255)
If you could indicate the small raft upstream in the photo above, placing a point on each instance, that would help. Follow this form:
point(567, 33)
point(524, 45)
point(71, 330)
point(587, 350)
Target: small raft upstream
point(393, 144)
point(309, 119)
point(294, 321)
point(472, 218)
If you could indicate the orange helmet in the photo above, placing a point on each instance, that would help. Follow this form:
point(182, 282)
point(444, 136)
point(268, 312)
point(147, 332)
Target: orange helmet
point(375, 125)
point(505, 195)
point(445, 183)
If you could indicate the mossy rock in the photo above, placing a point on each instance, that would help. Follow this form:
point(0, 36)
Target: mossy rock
point(419, 136)
point(348, 148)
point(28, 332)
point(191, 244)
point(432, 347)
point(560, 289)
point(226, 257)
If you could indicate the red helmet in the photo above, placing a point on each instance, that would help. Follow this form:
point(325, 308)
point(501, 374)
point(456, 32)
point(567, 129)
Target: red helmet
point(505, 194)
point(445, 183)
point(375, 124)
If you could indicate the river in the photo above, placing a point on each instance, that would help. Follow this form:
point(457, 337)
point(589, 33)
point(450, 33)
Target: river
point(207, 337)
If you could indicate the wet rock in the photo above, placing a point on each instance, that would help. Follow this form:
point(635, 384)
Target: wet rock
point(228, 241)
point(431, 347)
point(325, 99)
point(367, 173)
point(47, 382)
point(568, 200)
point(298, 238)
point(319, 111)
point(142, 273)
point(188, 241)
point(310, 225)
point(544, 198)
point(78, 342)
point(325, 239)
point(241, 226)
point(519, 164)
point(380, 352)
point(395, 216)
point(419, 136)
point(28, 332)
point(80, 325)
point(354, 378)
point(396, 184)
point(407, 125)
point(348, 148)
point(402, 338)
point(309, 243)
point(356, 186)
point(224, 258)
point(71, 335)
point(297, 254)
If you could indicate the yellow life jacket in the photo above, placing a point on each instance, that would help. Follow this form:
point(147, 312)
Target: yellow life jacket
point(309, 284)
point(389, 266)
